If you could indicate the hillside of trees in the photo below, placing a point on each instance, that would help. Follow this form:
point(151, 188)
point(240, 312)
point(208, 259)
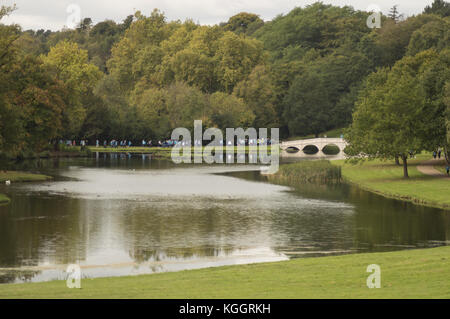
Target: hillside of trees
point(306, 72)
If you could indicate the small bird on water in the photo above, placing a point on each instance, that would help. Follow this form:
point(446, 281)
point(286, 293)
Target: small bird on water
point(8, 182)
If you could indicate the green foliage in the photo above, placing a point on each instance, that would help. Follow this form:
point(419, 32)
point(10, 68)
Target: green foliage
point(259, 93)
point(244, 23)
point(317, 100)
point(318, 26)
point(302, 72)
point(391, 42)
point(439, 7)
point(228, 111)
point(401, 110)
point(70, 64)
point(434, 34)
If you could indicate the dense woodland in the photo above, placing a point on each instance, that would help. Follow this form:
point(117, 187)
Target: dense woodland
point(314, 69)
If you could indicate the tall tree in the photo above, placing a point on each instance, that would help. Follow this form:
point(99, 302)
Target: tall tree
point(394, 14)
point(439, 7)
point(401, 111)
point(70, 64)
point(244, 22)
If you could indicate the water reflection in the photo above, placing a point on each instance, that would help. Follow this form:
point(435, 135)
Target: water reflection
point(120, 215)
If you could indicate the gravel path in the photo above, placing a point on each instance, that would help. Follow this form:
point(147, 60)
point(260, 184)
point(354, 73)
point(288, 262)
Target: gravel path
point(428, 169)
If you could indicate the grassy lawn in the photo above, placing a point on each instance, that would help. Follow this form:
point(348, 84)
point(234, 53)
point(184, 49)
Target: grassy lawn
point(386, 178)
point(404, 274)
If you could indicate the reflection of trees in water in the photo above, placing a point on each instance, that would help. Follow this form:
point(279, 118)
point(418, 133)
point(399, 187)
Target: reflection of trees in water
point(141, 254)
point(106, 160)
point(158, 233)
point(11, 276)
point(61, 230)
point(34, 230)
point(384, 224)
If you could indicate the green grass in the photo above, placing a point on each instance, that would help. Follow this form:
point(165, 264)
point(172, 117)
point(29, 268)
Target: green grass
point(16, 176)
point(404, 274)
point(386, 178)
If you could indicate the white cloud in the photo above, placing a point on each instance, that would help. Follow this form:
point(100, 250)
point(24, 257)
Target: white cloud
point(51, 14)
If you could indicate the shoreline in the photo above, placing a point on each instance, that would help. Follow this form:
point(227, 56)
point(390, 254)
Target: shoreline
point(19, 177)
point(414, 273)
point(130, 285)
point(385, 179)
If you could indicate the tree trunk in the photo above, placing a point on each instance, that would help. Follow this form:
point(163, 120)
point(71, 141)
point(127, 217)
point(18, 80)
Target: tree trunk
point(405, 166)
point(397, 161)
point(447, 155)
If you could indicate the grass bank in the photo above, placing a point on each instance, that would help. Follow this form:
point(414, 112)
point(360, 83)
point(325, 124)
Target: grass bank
point(64, 151)
point(386, 178)
point(404, 274)
point(16, 176)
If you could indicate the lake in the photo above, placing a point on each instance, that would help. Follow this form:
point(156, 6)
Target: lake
point(117, 214)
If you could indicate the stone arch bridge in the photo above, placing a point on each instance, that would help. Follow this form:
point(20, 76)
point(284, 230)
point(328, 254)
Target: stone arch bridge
point(320, 143)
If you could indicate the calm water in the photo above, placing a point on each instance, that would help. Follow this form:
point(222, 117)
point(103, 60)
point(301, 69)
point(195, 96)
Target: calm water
point(120, 215)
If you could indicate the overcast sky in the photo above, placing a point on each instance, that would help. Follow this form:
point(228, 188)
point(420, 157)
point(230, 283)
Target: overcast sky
point(52, 14)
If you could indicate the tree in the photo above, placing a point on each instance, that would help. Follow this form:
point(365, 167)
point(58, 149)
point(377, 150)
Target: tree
point(228, 111)
point(393, 39)
point(400, 111)
point(434, 34)
point(236, 57)
point(259, 93)
point(243, 23)
point(439, 7)
point(315, 101)
point(394, 14)
point(39, 100)
point(447, 120)
point(85, 25)
point(70, 65)
point(153, 115)
point(184, 105)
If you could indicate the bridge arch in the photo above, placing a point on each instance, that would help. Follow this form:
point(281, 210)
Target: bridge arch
point(331, 149)
point(311, 149)
point(292, 149)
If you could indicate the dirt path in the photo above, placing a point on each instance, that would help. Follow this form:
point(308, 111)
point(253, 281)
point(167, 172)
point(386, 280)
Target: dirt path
point(428, 169)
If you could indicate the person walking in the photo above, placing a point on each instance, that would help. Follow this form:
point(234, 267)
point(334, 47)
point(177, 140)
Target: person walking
point(439, 153)
point(434, 154)
point(448, 169)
